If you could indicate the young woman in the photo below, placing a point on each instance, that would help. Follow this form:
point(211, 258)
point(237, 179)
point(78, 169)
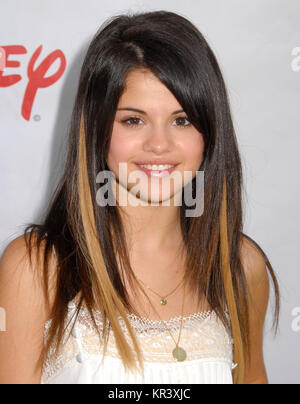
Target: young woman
point(141, 292)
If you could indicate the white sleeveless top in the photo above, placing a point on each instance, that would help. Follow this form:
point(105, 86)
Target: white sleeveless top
point(81, 359)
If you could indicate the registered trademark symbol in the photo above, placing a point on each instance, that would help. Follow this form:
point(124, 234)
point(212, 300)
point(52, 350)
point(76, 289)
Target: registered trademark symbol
point(37, 118)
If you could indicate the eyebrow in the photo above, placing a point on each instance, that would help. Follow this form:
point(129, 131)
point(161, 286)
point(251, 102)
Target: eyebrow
point(143, 112)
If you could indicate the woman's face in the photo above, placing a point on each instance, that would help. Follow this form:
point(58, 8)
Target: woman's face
point(161, 132)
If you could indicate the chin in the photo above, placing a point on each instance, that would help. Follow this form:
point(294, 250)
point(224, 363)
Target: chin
point(157, 196)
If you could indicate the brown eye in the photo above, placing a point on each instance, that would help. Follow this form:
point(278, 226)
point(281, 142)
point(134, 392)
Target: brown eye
point(133, 121)
point(182, 122)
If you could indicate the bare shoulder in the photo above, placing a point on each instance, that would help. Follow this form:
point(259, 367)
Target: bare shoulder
point(23, 299)
point(254, 263)
point(255, 268)
point(15, 267)
point(18, 267)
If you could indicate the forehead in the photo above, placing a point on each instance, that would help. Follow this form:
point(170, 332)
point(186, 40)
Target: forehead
point(145, 91)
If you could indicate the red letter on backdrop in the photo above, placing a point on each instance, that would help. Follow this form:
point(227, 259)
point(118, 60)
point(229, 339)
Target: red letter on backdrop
point(2, 59)
point(37, 77)
point(7, 81)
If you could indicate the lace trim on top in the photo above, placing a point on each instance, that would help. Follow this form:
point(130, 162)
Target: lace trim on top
point(203, 336)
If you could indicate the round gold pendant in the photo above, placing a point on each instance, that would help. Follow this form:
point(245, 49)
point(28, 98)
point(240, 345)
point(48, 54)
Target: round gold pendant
point(163, 302)
point(179, 354)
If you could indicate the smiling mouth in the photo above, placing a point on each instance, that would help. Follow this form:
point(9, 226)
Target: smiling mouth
point(157, 170)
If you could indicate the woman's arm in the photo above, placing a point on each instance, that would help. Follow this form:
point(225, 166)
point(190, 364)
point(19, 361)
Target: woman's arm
point(259, 290)
point(22, 298)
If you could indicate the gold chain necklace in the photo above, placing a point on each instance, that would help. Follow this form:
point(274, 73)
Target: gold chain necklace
point(178, 352)
point(163, 299)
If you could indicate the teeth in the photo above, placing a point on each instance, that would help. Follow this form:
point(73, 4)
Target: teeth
point(157, 167)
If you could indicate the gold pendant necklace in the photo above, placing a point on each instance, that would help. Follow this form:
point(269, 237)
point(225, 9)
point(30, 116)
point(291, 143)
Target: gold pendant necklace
point(178, 353)
point(163, 299)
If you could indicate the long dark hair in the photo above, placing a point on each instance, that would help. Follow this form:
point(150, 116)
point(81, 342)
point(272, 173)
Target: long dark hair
point(85, 235)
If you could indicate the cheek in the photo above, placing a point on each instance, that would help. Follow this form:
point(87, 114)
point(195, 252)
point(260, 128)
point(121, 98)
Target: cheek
point(121, 149)
point(192, 151)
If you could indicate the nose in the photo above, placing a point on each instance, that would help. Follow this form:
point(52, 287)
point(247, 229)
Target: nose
point(158, 141)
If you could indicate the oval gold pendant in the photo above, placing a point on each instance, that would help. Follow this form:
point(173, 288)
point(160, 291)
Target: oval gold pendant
point(163, 302)
point(179, 354)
